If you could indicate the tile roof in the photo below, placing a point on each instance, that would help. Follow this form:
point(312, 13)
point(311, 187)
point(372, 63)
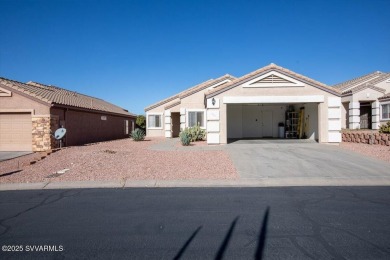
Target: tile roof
point(369, 84)
point(275, 67)
point(191, 91)
point(387, 96)
point(362, 87)
point(60, 96)
point(347, 84)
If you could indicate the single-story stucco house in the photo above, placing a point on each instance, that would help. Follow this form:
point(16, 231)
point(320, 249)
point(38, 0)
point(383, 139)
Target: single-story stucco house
point(365, 100)
point(31, 112)
point(252, 106)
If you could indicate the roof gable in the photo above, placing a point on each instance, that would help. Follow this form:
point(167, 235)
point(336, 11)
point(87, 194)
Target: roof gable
point(279, 71)
point(343, 86)
point(272, 79)
point(363, 87)
point(211, 83)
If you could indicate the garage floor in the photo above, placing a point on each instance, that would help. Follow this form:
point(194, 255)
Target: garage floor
point(269, 141)
point(259, 159)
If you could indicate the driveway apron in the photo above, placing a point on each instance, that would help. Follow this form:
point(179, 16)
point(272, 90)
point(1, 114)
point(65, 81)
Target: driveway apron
point(266, 159)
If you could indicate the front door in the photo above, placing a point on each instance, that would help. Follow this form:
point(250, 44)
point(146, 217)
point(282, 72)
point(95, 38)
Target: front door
point(365, 115)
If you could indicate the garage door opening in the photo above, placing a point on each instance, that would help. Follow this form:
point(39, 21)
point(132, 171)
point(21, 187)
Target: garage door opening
point(272, 122)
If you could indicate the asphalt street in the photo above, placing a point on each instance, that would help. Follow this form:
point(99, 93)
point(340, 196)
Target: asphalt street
point(197, 223)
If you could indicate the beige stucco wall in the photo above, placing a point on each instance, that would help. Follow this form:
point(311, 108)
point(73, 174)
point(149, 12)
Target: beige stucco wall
point(384, 85)
point(344, 114)
point(20, 102)
point(366, 95)
point(194, 101)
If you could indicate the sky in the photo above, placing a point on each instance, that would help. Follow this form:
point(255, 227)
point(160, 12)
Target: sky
point(135, 53)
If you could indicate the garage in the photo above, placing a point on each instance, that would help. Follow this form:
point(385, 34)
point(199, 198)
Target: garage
point(263, 120)
point(15, 132)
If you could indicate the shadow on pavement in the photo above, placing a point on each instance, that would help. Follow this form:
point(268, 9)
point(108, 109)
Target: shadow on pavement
point(187, 243)
point(260, 245)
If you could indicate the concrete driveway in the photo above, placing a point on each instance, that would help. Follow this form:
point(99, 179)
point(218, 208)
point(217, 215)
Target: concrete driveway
point(10, 155)
point(265, 159)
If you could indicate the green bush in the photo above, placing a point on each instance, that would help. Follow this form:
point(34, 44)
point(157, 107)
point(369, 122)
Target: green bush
point(141, 121)
point(138, 135)
point(185, 138)
point(197, 133)
point(385, 129)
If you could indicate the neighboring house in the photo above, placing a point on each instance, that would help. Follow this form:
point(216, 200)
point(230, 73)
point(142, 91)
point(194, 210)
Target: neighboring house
point(251, 106)
point(365, 105)
point(31, 112)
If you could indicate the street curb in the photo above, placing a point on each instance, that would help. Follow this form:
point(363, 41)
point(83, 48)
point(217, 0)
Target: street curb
point(266, 182)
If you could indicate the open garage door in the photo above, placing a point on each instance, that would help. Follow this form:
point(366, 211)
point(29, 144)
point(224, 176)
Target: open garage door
point(15, 132)
point(262, 120)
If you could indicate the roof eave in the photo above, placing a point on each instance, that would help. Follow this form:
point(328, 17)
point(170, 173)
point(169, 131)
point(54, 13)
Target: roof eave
point(240, 82)
point(56, 105)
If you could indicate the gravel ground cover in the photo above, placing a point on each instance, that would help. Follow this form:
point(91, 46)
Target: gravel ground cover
point(381, 152)
point(121, 160)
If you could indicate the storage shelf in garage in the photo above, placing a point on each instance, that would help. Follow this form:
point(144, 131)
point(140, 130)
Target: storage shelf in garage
point(291, 127)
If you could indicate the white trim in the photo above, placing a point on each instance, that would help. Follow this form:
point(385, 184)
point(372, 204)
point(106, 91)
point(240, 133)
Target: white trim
point(295, 83)
point(273, 99)
point(218, 84)
point(334, 102)
point(154, 114)
point(380, 111)
point(334, 137)
point(197, 110)
point(5, 92)
point(213, 138)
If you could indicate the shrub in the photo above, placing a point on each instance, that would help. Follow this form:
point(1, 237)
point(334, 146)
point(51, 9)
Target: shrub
point(185, 137)
point(138, 135)
point(385, 129)
point(197, 133)
point(141, 121)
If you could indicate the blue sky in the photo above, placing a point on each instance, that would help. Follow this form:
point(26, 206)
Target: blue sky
point(134, 53)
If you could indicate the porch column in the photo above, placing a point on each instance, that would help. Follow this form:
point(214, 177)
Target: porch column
point(212, 117)
point(334, 120)
point(168, 127)
point(182, 118)
point(354, 115)
point(375, 115)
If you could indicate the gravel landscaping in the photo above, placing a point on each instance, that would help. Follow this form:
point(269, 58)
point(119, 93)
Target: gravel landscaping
point(119, 160)
point(381, 152)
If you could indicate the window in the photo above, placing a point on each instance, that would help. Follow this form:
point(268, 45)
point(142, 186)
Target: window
point(195, 117)
point(385, 114)
point(154, 121)
point(126, 125)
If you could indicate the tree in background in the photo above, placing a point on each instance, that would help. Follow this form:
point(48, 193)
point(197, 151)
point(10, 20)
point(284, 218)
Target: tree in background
point(141, 121)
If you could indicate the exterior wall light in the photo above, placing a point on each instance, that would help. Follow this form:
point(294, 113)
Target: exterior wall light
point(213, 101)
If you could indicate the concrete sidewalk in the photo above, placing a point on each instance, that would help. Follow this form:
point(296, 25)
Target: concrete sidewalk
point(266, 182)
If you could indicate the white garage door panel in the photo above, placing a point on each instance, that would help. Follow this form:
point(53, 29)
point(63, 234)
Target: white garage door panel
point(15, 132)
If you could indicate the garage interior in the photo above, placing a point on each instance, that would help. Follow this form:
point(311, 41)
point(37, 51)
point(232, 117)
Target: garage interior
point(259, 121)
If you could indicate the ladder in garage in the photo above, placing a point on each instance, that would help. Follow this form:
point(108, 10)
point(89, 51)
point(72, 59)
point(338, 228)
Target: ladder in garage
point(301, 122)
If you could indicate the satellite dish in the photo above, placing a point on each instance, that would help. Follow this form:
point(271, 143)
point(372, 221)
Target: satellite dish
point(59, 133)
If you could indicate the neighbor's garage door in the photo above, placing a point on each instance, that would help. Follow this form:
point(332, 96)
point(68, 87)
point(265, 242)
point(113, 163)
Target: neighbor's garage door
point(15, 132)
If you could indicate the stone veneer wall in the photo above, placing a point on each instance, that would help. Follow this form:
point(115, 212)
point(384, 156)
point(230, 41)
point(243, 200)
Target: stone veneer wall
point(42, 130)
point(366, 138)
